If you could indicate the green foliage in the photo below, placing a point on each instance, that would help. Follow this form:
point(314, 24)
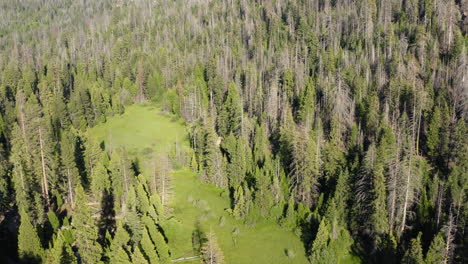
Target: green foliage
point(155, 89)
point(148, 248)
point(29, 245)
point(306, 111)
point(332, 244)
point(119, 245)
point(230, 117)
point(436, 252)
point(137, 257)
point(433, 133)
point(353, 111)
point(86, 232)
point(53, 220)
point(61, 252)
point(414, 255)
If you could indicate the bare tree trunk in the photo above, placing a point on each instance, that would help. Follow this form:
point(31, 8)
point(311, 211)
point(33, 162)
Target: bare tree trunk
point(440, 196)
point(125, 177)
point(70, 190)
point(449, 238)
point(408, 179)
point(405, 205)
point(44, 175)
point(392, 207)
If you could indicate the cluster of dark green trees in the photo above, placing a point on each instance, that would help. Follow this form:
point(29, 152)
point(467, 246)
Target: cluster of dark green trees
point(344, 121)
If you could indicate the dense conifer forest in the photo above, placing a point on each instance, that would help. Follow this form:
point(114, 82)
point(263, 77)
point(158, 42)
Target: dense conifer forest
point(342, 121)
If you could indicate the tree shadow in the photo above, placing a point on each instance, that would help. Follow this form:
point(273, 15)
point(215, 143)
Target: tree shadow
point(198, 238)
point(107, 218)
point(80, 160)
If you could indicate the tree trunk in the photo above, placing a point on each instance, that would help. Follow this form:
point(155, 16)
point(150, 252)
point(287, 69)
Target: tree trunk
point(70, 189)
point(405, 205)
point(44, 175)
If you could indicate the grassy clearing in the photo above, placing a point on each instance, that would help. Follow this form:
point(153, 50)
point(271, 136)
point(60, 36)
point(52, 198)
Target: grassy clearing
point(145, 131)
point(198, 204)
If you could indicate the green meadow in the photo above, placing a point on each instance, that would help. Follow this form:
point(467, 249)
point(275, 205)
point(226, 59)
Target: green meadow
point(145, 131)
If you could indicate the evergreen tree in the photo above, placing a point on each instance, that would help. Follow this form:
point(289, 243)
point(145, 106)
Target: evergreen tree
point(148, 248)
point(29, 245)
point(289, 220)
point(305, 167)
point(237, 166)
point(99, 181)
point(119, 245)
point(332, 243)
point(320, 252)
point(61, 252)
point(137, 257)
point(433, 133)
point(306, 111)
point(67, 151)
point(120, 256)
point(86, 233)
point(230, 116)
point(121, 176)
point(436, 252)
point(414, 255)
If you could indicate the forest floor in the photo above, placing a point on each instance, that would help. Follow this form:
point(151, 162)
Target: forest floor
point(145, 131)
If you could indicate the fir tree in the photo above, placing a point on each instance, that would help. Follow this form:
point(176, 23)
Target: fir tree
point(414, 255)
point(230, 116)
point(61, 252)
point(436, 252)
point(137, 257)
point(86, 233)
point(29, 245)
point(148, 248)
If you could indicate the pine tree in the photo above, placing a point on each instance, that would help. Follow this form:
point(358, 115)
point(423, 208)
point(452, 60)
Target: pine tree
point(157, 238)
point(99, 181)
point(414, 255)
point(119, 245)
point(212, 158)
point(333, 242)
point(306, 111)
point(148, 248)
point(120, 256)
point(436, 252)
point(86, 233)
point(121, 176)
point(287, 84)
point(289, 219)
point(67, 151)
point(61, 252)
point(29, 245)
point(333, 157)
point(305, 167)
point(320, 252)
point(237, 166)
point(23, 182)
point(433, 140)
point(379, 210)
point(240, 207)
point(230, 116)
point(261, 146)
point(137, 257)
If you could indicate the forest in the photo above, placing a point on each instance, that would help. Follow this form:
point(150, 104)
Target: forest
point(338, 124)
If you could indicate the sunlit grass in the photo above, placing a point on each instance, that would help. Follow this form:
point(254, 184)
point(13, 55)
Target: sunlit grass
point(144, 131)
